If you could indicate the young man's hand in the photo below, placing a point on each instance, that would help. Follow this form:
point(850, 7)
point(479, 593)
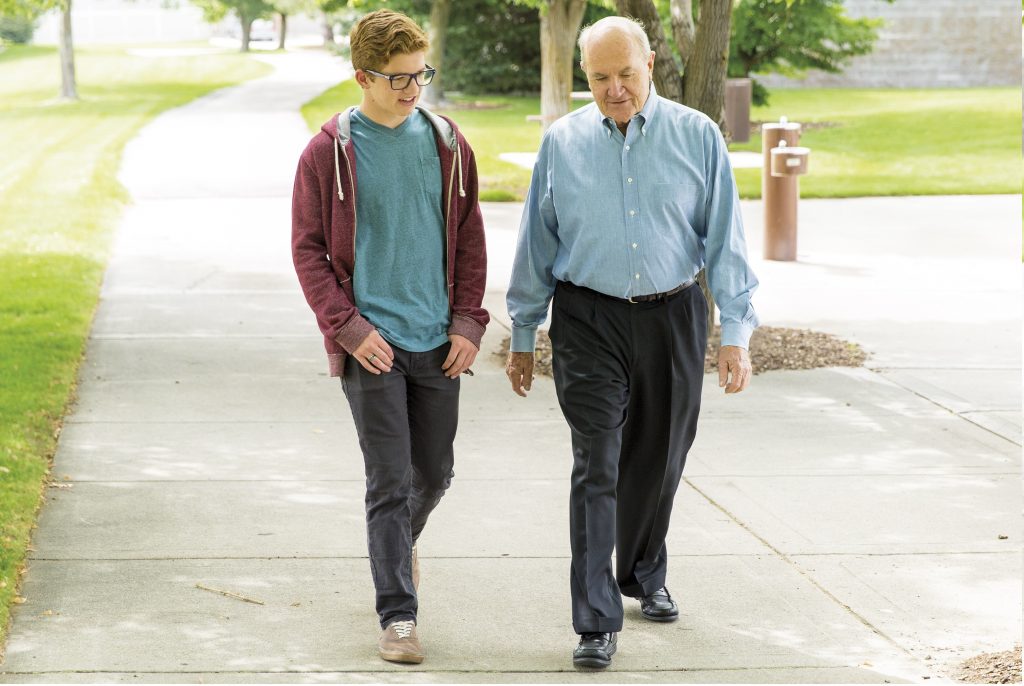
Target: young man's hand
point(374, 354)
point(519, 370)
point(460, 357)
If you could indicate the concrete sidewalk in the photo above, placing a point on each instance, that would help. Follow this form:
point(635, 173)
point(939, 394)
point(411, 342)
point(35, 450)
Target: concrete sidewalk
point(835, 525)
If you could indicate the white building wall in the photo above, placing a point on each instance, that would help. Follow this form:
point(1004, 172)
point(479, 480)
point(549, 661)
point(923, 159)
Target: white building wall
point(119, 22)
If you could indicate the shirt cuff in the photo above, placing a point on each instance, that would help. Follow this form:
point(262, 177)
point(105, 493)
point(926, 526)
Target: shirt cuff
point(736, 333)
point(524, 339)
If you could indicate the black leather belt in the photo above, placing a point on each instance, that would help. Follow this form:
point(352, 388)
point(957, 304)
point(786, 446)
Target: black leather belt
point(654, 297)
point(636, 299)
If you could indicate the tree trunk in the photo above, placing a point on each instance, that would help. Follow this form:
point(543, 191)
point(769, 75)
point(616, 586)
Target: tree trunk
point(68, 85)
point(328, 30)
point(667, 79)
point(559, 23)
point(246, 30)
point(440, 10)
point(683, 30)
point(666, 71)
point(284, 30)
point(706, 70)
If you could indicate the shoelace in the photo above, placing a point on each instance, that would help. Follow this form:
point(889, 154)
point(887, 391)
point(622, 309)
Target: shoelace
point(403, 629)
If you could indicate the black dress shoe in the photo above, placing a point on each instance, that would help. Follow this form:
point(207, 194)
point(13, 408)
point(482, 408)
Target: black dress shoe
point(595, 650)
point(659, 606)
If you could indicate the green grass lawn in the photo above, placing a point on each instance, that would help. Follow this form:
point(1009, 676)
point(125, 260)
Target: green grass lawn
point(877, 142)
point(901, 142)
point(59, 202)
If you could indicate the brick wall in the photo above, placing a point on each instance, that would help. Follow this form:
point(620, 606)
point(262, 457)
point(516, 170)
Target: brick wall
point(931, 43)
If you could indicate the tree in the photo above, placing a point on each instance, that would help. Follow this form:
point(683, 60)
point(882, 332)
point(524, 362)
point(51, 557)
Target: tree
point(437, 27)
point(29, 9)
point(703, 48)
point(559, 23)
point(247, 12)
point(792, 37)
point(326, 8)
point(492, 47)
point(288, 8)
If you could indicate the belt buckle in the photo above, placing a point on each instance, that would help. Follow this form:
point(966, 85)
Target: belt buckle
point(631, 301)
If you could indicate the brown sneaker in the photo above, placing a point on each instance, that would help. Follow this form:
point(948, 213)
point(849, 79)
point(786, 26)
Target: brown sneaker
point(415, 569)
point(399, 643)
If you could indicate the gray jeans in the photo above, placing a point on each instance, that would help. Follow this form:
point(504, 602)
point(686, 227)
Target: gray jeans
point(406, 420)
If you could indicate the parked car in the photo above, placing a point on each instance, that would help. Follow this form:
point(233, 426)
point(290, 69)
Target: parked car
point(262, 30)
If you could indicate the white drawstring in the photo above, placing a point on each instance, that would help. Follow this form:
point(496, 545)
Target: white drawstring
point(458, 161)
point(337, 170)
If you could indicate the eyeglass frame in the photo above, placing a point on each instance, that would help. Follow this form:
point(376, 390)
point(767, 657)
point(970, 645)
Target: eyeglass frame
point(412, 77)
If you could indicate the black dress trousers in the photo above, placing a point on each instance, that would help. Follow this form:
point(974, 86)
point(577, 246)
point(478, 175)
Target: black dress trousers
point(628, 378)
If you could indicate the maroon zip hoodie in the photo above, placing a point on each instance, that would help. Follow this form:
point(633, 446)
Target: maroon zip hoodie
point(324, 226)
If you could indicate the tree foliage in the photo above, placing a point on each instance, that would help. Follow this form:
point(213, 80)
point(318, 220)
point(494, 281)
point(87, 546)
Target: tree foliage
point(493, 47)
point(791, 37)
point(29, 9)
point(418, 10)
point(247, 11)
point(16, 29)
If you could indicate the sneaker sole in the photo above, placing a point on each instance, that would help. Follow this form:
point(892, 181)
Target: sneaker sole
point(404, 658)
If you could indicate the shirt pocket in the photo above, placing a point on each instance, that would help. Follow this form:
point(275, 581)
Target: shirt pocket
point(672, 202)
point(430, 170)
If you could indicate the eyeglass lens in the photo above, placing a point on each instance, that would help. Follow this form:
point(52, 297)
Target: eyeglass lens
point(401, 81)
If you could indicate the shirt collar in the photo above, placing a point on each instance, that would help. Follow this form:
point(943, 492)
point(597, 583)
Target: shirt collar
point(645, 114)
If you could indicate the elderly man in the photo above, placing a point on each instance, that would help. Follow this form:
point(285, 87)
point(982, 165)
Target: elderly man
point(631, 196)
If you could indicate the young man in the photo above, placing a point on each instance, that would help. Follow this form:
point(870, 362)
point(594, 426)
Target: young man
point(398, 300)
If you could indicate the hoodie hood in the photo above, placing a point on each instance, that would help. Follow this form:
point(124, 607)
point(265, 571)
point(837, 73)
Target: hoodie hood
point(339, 128)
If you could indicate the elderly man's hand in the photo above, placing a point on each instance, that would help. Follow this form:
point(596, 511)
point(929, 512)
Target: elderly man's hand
point(519, 369)
point(733, 368)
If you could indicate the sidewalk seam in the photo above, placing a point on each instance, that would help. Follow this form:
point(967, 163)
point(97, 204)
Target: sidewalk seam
point(788, 560)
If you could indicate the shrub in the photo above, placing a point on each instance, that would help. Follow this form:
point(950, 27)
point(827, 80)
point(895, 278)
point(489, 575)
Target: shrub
point(16, 29)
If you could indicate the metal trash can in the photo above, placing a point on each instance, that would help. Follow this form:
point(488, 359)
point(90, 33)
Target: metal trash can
point(738, 94)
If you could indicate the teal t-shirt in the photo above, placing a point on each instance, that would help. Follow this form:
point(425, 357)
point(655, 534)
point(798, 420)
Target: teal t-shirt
point(399, 275)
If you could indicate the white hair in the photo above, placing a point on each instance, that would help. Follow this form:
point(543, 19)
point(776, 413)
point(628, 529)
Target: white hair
point(633, 28)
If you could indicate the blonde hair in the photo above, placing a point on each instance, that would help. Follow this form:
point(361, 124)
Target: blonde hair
point(382, 34)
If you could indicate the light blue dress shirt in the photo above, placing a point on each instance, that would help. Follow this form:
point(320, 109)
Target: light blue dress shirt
point(632, 215)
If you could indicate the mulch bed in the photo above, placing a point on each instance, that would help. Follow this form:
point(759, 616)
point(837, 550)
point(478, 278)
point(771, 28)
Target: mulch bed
point(771, 348)
point(992, 668)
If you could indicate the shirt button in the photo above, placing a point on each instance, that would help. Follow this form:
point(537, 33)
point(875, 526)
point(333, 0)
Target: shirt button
point(627, 147)
point(638, 276)
point(634, 246)
point(632, 212)
point(629, 180)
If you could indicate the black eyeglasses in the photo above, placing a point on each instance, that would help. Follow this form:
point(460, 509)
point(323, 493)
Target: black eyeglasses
point(399, 82)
